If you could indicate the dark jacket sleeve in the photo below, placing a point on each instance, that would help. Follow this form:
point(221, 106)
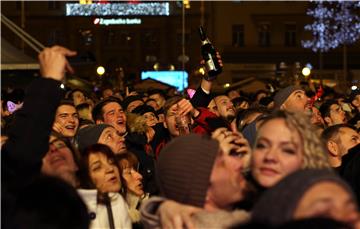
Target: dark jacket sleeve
point(200, 98)
point(28, 136)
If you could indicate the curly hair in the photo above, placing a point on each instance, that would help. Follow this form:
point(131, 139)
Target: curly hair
point(315, 155)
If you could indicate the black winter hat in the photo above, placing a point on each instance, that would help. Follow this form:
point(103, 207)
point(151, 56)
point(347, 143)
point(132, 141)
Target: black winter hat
point(143, 109)
point(131, 99)
point(282, 95)
point(184, 168)
point(278, 204)
point(89, 135)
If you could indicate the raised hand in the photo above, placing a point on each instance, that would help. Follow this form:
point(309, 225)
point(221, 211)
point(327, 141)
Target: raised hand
point(53, 62)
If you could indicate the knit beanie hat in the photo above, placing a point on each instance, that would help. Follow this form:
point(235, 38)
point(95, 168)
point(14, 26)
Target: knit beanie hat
point(282, 95)
point(131, 99)
point(184, 167)
point(278, 204)
point(142, 109)
point(89, 135)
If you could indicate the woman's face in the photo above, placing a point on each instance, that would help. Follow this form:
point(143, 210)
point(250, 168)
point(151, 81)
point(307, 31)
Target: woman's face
point(104, 173)
point(328, 199)
point(150, 118)
point(132, 178)
point(277, 153)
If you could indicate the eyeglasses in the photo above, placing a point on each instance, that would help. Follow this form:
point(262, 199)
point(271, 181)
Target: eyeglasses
point(58, 144)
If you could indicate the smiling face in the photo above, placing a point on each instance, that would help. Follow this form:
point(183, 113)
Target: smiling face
point(104, 173)
point(328, 199)
point(67, 119)
point(277, 153)
point(59, 160)
point(111, 138)
point(114, 115)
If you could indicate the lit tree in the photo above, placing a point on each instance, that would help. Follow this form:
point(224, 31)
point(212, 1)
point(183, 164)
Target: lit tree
point(322, 29)
point(347, 27)
point(335, 23)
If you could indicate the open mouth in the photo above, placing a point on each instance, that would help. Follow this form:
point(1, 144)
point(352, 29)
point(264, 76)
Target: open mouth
point(70, 127)
point(57, 160)
point(120, 122)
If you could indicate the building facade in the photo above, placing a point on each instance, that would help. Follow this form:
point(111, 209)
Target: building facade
point(255, 39)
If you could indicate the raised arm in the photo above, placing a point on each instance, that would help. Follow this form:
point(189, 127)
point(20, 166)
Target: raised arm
point(28, 136)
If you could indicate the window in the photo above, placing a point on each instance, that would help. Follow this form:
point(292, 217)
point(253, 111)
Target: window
point(264, 35)
point(126, 38)
point(238, 35)
point(290, 35)
point(149, 39)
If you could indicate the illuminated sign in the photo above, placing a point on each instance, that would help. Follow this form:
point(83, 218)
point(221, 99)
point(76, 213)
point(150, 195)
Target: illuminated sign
point(117, 21)
point(119, 9)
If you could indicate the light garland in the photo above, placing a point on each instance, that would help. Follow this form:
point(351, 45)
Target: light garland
point(119, 9)
point(334, 24)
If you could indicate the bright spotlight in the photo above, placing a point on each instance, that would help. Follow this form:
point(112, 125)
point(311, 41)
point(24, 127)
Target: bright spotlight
point(100, 70)
point(306, 71)
point(226, 85)
point(62, 86)
point(354, 87)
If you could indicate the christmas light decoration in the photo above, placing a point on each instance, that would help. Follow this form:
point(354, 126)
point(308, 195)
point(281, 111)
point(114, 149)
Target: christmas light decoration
point(334, 24)
point(323, 37)
point(119, 9)
point(347, 22)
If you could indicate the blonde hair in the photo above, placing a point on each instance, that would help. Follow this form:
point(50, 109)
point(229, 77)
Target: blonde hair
point(314, 153)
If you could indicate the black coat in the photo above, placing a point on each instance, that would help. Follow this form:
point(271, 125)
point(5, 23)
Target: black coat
point(350, 170)
point(28, 141)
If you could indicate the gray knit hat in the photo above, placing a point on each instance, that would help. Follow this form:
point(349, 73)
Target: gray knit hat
point(184, 167)
point(282, 95)
point(89, 135)
point(278, 204)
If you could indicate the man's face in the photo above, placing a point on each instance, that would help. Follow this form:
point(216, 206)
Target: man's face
point(78, 98)
point(153, 104)
point(233, 94)
point(113, 139)
point(159, 99)
point(297, 102)
point(114, 115)
point(58, 161)
point(133, 105)
point(170, 122)
point(225, 107)
point(227, 184)
point(107, 93)
point(67, 120)
point(337, 115)
point(348, 139)
point(316, 118)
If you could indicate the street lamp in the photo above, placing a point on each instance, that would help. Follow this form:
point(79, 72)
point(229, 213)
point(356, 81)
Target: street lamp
point(306, 71)
point(100, 70)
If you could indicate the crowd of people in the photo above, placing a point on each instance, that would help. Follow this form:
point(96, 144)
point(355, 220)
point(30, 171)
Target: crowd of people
point(283, 159)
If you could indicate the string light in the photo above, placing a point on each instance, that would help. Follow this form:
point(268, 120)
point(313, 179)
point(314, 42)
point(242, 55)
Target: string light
point(334, 24)
point(118, 9)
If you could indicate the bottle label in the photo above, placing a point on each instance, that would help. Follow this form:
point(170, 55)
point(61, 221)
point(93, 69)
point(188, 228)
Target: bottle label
point(210, 65)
